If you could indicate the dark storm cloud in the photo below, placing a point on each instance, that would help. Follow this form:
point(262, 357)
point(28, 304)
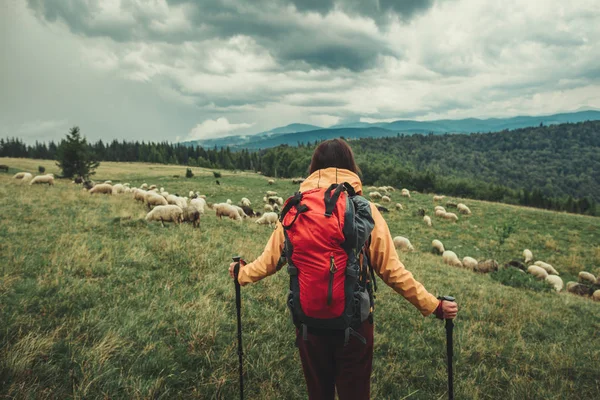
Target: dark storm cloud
point(290, 36)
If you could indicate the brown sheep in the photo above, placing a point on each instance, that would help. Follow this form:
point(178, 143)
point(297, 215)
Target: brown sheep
point(191, 214)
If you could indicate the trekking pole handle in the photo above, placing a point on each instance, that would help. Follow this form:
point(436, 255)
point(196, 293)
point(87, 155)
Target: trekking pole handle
point(236, 268)
point(449, 322)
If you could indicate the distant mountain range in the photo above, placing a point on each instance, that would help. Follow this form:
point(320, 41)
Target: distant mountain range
point(301, 133)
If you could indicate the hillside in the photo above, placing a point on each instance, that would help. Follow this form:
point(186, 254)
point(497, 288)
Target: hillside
point(97, 303)
point(555, 161)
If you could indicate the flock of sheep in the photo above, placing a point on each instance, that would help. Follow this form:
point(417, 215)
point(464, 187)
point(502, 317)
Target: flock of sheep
point(165, 207)
point(47, 179)
point(588, 284)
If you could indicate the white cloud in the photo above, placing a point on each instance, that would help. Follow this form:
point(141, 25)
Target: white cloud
point(215, 128)
point(324, 120)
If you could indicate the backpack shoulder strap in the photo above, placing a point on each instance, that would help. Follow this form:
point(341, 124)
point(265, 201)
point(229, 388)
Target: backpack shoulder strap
point(331, 199)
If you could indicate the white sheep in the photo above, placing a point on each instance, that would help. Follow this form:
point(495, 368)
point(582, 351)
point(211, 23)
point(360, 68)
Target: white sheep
point(240, 211)
point(596, 295)
point(488, 265)
point(405, 193)
point(450, 216)
point(102, 188)
point(19, 175)
point(268, 218)
point(549, 268)
point(403, 244)
point(227, 210)
point(527, 255)
point(245, 202)
point(164, 194)
point(555, 281)
point(427, 220)
point(386, 199)
point(139, 195)
point(229, 201)
point(451, 258)
point(144, 186)
point(268, 207)
point(155, 199)
point(440, 213)
point(436, 208)
point(199, 204)
point(41, 179)
point(118, 189)
point(463, 209)
point(270, 193)
point(375, 195)
point(399, 206)
point(537, 271)
point(271, 181)
point(470, 263)
point(176, 200)
point(152, 187)
point(437, 246)
point(279, 201)
point(108, 182)
point(438, 198)
point(586, 277)
point(168, 213)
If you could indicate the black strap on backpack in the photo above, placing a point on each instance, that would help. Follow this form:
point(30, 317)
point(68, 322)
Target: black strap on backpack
point(294, 201)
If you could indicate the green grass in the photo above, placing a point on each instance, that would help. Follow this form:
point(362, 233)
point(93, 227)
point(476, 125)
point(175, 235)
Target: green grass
point(96, 303)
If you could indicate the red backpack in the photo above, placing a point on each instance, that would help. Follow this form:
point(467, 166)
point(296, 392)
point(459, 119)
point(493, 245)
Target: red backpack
point(326, 230)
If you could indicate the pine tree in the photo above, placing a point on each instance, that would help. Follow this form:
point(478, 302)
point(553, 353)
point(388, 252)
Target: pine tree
point(75, 157)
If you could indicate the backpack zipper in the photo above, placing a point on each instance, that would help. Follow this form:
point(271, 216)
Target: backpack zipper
point(332, 270)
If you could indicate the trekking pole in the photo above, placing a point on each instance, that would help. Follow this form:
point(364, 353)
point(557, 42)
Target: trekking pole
point(238, 306)
point(449, 350)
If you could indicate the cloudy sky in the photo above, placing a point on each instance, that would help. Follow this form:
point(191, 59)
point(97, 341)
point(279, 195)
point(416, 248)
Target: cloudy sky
point(193, 69)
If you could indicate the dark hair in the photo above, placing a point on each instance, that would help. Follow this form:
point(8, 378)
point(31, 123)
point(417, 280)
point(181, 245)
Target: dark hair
point(333, 153)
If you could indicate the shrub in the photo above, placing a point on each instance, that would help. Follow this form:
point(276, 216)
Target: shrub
point(41, 169)
point(217, 174)
point(189, 173)
point(514, 278)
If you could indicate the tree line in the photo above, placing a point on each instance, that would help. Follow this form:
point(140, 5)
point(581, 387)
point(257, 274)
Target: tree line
point(122, 151)
point(553, 167)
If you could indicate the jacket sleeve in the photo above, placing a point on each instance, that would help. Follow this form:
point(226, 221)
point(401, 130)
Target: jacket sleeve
point(388, 266)
point(266, 263)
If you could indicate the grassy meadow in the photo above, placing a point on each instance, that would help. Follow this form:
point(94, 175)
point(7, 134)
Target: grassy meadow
point(97, 303)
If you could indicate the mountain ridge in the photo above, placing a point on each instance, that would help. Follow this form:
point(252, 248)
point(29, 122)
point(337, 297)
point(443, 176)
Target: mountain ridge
point(295, 133)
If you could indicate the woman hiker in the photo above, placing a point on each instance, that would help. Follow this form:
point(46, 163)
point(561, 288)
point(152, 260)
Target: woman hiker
point(331, 359)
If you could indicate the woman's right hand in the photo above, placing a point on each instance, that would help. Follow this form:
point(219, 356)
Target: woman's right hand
point(232, 267)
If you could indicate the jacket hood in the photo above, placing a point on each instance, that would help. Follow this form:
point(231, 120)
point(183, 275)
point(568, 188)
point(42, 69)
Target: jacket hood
point(327, 176)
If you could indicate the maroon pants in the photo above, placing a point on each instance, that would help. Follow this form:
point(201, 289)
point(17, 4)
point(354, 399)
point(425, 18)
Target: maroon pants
point(329, 365)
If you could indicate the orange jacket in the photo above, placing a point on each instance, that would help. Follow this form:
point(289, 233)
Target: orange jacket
point(383, 254)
